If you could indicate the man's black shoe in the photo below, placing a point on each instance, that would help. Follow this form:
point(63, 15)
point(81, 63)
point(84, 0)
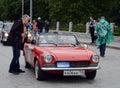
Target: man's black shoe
point(102, 55)
point(20, 71)
point(14, 72)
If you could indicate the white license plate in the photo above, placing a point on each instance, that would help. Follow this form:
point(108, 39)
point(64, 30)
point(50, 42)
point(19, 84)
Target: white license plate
point(73, 72)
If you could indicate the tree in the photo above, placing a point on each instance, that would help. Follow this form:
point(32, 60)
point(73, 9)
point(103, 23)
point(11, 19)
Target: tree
point(115, 13)
point(40, 9)
point(77, 11)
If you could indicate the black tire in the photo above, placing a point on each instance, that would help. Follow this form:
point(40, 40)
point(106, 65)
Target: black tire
point(39, 74)
point(90, 75)
point(27, 65)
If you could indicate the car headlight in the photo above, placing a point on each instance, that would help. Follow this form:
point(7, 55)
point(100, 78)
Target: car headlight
point(48, 58)
point(95, 58)
point(6, 34)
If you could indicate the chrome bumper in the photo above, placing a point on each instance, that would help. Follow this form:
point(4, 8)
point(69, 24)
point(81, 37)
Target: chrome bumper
point(79, 68)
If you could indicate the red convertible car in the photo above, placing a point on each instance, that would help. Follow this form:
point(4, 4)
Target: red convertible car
point(62, 54)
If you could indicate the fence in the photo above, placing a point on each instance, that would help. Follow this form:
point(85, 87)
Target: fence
point(70, 27)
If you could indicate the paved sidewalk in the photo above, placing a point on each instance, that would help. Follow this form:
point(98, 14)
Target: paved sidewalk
point(85, 38)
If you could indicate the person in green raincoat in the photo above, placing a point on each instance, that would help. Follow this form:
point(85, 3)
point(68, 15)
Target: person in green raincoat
point(104, 34)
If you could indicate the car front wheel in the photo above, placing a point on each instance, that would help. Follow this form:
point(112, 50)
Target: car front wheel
point(91, 75)
point(39, 74)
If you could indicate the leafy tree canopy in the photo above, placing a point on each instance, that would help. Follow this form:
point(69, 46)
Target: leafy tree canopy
point(77, 11)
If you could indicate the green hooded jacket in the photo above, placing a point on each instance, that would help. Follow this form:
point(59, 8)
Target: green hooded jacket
point(104, 33)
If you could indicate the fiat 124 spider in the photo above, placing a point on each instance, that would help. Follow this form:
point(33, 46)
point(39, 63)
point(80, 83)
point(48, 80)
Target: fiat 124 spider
point(62, 54)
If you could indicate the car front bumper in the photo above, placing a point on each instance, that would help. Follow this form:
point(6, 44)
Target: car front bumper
point(77, 68)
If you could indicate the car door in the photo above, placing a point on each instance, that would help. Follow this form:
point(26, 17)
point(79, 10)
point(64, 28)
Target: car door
point(29, 54)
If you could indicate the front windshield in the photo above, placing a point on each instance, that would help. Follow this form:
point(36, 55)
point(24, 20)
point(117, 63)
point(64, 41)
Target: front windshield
point(58, 40)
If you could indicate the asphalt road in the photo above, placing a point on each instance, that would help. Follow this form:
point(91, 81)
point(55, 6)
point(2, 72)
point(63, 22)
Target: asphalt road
point(107, 76)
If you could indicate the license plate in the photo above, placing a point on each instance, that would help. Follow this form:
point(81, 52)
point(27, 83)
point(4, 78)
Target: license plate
point(63, 64)
point(73, 72)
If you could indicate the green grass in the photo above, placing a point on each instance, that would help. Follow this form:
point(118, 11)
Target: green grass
point(82, 28)
point(79, 28)
point(75, 28)
point(116, 31)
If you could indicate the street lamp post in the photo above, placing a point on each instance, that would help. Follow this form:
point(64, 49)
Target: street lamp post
point(30, 10)
point(22, 7)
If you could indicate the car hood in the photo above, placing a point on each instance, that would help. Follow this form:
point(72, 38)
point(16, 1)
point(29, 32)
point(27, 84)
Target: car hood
point(69, 53)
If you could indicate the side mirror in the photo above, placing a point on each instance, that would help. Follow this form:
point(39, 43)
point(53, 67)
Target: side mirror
point(85, 46)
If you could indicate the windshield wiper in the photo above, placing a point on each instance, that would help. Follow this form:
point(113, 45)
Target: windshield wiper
point(53, 43)
point(67, 44)
point(49, 43)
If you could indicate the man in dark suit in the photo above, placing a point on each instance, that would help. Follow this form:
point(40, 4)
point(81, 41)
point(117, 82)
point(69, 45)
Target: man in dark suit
point(16, 39)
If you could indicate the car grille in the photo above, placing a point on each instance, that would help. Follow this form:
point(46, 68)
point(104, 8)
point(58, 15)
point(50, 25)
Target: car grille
point(78, 63)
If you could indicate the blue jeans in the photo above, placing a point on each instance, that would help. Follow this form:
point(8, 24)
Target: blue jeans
point(102, 49)
point(15, 60)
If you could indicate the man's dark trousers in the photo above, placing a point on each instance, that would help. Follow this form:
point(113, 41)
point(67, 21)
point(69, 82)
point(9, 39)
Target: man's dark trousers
point(92, 34)
point(14, 66)
point(102, 49)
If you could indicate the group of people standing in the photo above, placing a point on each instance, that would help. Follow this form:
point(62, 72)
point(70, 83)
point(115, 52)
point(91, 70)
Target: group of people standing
point(101, 34)
point(39, 25)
